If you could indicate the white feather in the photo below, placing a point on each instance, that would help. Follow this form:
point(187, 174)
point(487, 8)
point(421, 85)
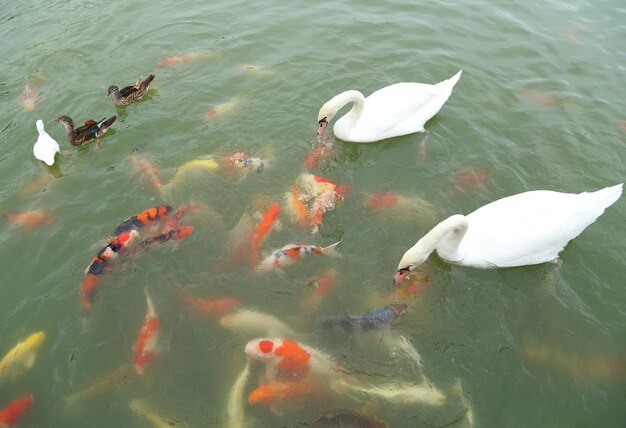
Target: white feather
point(46, 147)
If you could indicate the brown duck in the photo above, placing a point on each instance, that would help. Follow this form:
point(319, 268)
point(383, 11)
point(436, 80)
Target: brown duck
point(89, 131)
point(131, 93)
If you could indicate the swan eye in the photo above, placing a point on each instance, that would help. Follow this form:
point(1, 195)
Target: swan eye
point(322, 121)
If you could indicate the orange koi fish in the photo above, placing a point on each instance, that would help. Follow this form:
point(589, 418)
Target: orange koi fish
point(261, 231)
point(147, 217)
point(416, 285)
point(322, 286)
point(283, 392)
point(14, 411)
point(149, 170)
point(382, 200)
point(283, 358)
point(324, 202)
point(148, 338)
point(177, 234)
point(101, 262)
point(468, 180)
point(204, 306)
point(319, 153)
point(28, 96)
point(175, 60)
point(31, 219)
point(297, 208)
point(175, 220)
point(291, 253)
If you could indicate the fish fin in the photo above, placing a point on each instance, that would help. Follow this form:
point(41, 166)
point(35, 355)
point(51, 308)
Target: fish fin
point(29, 360)
point(331, 251)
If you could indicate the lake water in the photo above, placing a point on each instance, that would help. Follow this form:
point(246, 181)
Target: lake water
point(541, 105)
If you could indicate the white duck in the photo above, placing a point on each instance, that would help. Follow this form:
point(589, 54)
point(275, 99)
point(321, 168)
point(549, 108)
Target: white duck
point(524, 229)
point(46, 147)
point(399, 109)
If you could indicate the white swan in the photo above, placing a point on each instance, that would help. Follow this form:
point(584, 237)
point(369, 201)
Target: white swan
point(524, 229)
point(46, 147)
point(392, 111)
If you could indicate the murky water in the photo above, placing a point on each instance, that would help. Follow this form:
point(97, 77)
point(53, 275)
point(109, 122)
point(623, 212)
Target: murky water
point(540, 105)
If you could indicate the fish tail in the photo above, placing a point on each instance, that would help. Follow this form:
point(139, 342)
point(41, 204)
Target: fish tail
point(331, 251)
point(88, 290)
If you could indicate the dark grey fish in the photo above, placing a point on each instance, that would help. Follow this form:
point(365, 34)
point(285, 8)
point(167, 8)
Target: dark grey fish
point(371, 320)
point(343, 418)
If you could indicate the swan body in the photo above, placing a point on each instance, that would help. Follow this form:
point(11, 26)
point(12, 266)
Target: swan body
point(524, 229)
point(46, 147)
point(399, 109)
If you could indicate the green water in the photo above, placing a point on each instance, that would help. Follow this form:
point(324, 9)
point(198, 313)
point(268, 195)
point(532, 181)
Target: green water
point(471, 325)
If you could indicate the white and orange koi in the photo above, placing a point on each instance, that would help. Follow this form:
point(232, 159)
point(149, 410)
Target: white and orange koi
point(246, 321)
point(323, 203)
point(148, 170)
point(148, 338)
point(219, 110)
point(292, 253)
point(310, 186)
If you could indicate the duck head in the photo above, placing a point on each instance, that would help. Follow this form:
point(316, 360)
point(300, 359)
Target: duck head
point(112, 89)
point(65, 120)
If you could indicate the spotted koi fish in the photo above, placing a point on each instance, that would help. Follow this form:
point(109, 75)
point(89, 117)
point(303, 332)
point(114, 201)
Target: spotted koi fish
point(145, 218)
point(292, 253)
point(101, 262)
point(372, 320)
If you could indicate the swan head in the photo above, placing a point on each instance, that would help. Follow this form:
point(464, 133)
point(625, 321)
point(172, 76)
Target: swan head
point(325, 115)
point(410, 260)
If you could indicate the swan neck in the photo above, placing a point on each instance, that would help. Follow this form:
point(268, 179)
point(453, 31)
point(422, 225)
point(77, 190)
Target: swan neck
point(355, 97)
point(452, 229)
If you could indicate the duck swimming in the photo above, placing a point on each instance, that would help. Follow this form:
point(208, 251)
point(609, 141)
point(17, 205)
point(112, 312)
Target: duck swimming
point(128, 94)
point(46, 147)
point(524, 229)
point(89, 131)
point(399, 109)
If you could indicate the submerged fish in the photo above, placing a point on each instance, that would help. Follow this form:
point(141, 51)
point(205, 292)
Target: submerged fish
point(416, 285)
point(296, 208)
point(21, 357)
point(14, 411)
point(343, 418)
point(148, 170)
point(372, 320)
point(237, 245)
point(235, 404)
point(292, 253)
point(284, 392)
point(245, 321)
point(176, 234)
point(323, 203)
point(241, 163)
point(322, 286)
point(143, 409)
point(28, 96)
point(319, 153)
point(31, 219)
point(120, 376)
point(206, 164)
point(147, 217)
point(202, 306)
point(261, 231)
point(219, 110)
point(148, 338)
point(424, 393)
point(174, 60)
point(468, 180)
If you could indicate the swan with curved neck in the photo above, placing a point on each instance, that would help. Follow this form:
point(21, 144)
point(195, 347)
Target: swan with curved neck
point(399, 109)
point(524, 229)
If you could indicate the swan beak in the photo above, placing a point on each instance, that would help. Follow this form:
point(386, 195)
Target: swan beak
point(401, 275)
point(322, 126)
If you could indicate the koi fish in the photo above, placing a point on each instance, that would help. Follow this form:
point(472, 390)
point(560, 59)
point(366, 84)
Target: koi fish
point(177, 234)
point(321, 152)
point(181, 212)
point(121, 375)
point(147, 217)
point(296, 208)
point(323, 203)
point(240, 162)
point(222, 109)
point(206, 164)
point(14, 411)
point(148, 338)
point(322, 286)
point(175, 60)
point(28, 96)
point(141, 408)
point(371, 320)
point(417, 285)
point(148, 170)
point(263, 228)
point(393, 203)
point(254, 69)
point(253, 323)
point(31, 219)
point(312, 185)
point(286, 359)
point(234, 405)
point(543, 99)
point(468, 180)
point(347, 418)
point(292, 253)
point(101, 262)
point(457, 388)
point(22, 356)
point(238, 244)
point(282, 392)
point(204, 306)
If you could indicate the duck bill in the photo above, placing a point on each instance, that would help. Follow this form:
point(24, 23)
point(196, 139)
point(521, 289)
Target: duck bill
point(322, 126)
point(400, 276)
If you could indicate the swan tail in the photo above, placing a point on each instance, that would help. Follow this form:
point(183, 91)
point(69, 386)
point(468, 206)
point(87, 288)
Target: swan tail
point(447, 85)
point(607, 196)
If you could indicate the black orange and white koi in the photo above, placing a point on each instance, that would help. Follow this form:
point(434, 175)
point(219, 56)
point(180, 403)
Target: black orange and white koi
point(147, 217)
point(292, 253)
